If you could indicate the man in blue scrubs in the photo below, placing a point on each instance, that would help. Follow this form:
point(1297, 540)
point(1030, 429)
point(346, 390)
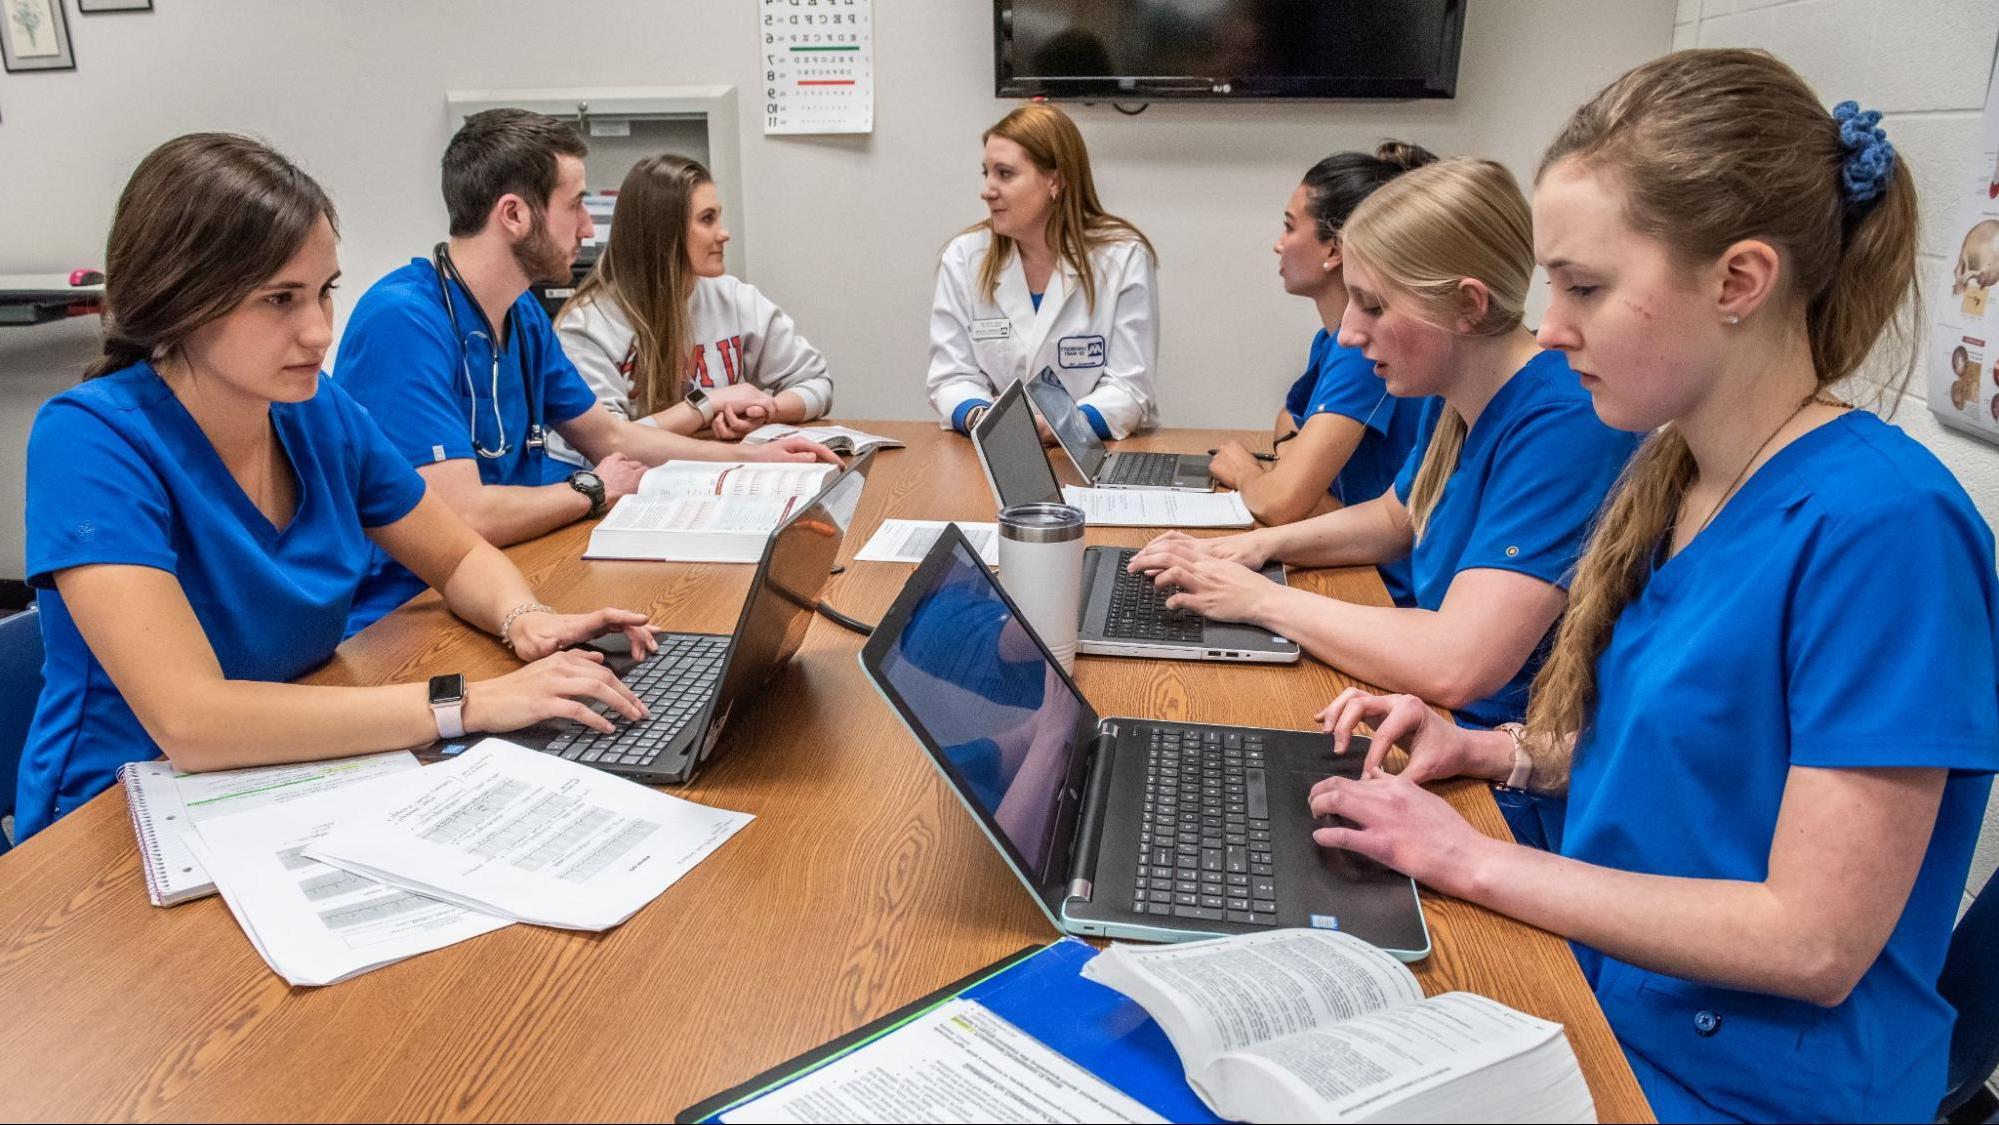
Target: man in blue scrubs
point(460, 365)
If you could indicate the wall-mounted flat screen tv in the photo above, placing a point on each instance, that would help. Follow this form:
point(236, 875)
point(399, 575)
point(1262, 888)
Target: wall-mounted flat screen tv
point(1143, 50)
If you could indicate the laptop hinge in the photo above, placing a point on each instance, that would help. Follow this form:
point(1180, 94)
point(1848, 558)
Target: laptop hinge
point(1090, 818)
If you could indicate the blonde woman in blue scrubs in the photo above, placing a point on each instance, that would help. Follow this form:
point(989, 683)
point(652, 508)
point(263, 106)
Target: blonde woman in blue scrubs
point(1772, 703)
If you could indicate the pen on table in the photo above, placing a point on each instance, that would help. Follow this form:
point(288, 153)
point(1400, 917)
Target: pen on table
point(1271, 457)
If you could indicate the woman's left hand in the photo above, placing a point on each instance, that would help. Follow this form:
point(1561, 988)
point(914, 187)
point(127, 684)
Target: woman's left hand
point(1399, 823)
point(1218, 588)
point(1233, 464)
point(536, 635)
point(743, 415)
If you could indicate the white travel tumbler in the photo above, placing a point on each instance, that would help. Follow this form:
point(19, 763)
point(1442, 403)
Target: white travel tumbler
point(1041, 566)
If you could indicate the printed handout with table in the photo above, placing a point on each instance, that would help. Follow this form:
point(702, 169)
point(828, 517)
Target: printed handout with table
point(705, 511)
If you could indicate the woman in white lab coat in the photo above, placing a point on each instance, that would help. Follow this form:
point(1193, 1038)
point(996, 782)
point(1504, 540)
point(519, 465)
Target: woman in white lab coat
point(1048, 280)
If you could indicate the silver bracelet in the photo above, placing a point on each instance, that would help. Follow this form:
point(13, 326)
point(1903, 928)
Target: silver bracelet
point(514, 614)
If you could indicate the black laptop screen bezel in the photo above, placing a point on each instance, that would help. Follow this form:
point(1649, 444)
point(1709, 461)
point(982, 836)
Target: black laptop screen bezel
point(1051, 884)
point(1068, 422)
point(1007, 431)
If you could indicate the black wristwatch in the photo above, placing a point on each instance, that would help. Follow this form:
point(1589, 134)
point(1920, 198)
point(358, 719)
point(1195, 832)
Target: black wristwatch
point(591, 485)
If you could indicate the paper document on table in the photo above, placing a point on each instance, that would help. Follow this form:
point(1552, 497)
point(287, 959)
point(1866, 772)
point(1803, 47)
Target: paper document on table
point(909, 541)
point(958, 1062)
point(166, 805)
point(685, 513)
point(528, 836)
point(1134, 507)
point(315, 924)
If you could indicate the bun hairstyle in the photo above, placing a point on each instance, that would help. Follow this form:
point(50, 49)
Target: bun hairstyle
point(1423, 233)
point(1336, 185)
point(204, 220)
point(1708, 148)
point(644, 269)
point(1078, 223)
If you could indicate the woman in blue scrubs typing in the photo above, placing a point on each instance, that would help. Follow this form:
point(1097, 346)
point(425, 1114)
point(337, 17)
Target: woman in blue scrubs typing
point(200, 510)
point(1772, 703)
point(1341, 434)
point(1491, 506)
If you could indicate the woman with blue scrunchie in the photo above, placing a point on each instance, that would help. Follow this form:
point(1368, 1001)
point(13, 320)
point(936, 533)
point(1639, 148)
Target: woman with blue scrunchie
point(1771, 703)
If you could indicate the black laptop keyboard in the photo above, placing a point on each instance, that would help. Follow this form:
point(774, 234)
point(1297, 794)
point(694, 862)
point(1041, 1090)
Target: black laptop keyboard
point(1138, 609)
point(676, 683)
point(1204, 848)
point(1158, 469)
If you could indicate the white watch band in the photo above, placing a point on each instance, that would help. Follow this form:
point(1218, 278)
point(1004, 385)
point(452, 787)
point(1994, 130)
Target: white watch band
point(450, 719)
point(704, 406)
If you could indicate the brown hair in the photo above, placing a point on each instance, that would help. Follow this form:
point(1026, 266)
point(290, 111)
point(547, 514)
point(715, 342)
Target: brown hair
point(503, 152)
point(1711, 147)
point(645, 269)
point(1078, 223)
point(204, 220)
point(1423, 233)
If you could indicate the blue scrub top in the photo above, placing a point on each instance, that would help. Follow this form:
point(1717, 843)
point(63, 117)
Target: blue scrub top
point(1340, 380)
point(118, 472)
point(1535, 468)
point(430, 388)
point(1841, 612)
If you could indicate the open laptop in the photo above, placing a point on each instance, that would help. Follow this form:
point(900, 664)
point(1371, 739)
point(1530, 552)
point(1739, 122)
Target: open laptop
point(1120, 827)
point(1123, 614)
point(1101, 468)
point(696, 680)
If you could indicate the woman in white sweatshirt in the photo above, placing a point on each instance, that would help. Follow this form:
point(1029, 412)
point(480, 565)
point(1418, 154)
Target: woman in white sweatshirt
point(664, 336)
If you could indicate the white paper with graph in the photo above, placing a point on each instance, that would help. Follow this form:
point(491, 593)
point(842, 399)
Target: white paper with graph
point(527, 836)
point(315, 924)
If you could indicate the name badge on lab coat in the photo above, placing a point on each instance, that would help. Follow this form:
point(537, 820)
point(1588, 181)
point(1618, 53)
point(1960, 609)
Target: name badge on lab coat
point(999, 328)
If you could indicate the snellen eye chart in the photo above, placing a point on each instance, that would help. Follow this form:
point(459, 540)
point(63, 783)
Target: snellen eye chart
point(818, 66)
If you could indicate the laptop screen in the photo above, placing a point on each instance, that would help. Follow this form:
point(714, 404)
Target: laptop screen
point(1058, 407)
point(995, 711)
point(1010, 449)
point(796, 564)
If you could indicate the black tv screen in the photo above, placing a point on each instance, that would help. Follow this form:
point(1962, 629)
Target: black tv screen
point(1140, 50)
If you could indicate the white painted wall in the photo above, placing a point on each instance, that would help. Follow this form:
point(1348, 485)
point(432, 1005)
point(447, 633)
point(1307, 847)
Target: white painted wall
point(843, 231)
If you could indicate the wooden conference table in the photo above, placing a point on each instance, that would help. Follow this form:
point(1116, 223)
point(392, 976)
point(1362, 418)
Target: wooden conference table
point(861, 885)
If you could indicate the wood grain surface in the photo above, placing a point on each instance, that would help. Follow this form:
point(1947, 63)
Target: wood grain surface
point(861, 885)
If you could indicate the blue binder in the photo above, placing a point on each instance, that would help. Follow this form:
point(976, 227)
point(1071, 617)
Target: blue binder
point(1040, 991)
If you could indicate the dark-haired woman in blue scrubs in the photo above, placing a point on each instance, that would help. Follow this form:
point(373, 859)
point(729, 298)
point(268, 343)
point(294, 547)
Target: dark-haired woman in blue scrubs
point(200, 511)
point(1774, 703)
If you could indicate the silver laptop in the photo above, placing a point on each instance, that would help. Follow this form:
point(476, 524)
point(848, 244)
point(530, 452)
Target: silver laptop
point(1120, 827)
point(1122, 614)
point(1101, 468)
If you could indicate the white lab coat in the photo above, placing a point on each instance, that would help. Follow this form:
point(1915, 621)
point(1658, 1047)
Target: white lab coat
point(1106, 356)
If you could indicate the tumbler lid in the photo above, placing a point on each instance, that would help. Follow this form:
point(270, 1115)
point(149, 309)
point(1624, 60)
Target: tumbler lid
point(1041, 523)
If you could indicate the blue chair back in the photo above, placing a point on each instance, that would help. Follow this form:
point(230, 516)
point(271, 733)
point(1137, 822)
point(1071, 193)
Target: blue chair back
point(1970, 981)
point(20, 686)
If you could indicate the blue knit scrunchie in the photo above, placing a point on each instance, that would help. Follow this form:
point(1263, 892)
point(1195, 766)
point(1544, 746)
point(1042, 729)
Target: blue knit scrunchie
point(1870, 159)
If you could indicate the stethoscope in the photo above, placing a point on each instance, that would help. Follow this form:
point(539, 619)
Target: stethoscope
point(447, 272)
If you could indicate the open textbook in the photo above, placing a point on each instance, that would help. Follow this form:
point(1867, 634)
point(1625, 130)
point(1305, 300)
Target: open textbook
point(167, 806)
point(1137, 507)
point(1313, 1025)
point(705, 511)
point(839, 439)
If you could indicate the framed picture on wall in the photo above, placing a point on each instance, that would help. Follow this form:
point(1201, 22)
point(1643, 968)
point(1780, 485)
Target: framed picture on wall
point(96, 7)
point(34, 36)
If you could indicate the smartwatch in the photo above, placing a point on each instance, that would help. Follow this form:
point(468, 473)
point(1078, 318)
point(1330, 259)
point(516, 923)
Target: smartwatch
point(591, 485)
point(699, 400)
point(447, 704)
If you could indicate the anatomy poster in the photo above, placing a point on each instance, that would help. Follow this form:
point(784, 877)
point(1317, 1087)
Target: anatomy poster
point(1963, 378)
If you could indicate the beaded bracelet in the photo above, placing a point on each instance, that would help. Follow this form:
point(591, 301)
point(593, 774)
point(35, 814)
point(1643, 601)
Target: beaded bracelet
point(507, 622)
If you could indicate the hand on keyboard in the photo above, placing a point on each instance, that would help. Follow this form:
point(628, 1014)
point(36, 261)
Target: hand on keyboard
point(1399, 823)
point(536, 635)
point(561, 686)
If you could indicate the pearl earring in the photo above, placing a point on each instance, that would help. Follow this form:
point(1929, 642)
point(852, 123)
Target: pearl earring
point(1734, 318)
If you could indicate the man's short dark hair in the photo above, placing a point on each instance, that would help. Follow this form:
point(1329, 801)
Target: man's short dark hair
point(503, 151)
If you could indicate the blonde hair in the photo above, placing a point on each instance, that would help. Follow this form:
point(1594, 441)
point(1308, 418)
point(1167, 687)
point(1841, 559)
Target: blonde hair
point(1078, 223)
point(645, 269)
point(1710, 147)
point(1423, 234)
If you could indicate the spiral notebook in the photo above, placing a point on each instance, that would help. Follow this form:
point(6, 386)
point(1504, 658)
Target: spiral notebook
point(166, 804)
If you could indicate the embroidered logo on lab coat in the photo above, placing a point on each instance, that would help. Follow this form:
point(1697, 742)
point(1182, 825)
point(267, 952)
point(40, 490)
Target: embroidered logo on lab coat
point(1080, 351)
